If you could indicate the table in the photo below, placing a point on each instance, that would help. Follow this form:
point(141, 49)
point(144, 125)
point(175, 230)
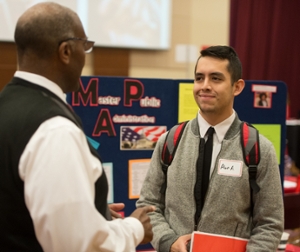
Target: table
point(290, 248)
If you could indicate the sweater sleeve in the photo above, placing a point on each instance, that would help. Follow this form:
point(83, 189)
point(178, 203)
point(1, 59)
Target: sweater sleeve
point(150, 194)
point(268, 218)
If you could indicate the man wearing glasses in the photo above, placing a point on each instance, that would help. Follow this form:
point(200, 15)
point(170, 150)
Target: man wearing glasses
point(53, 189)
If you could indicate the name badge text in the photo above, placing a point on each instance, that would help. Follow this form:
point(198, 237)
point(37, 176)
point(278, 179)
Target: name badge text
point(232, 168)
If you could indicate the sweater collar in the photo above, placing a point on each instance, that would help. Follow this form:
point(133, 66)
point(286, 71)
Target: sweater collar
point(233, 129)
point(220, 129)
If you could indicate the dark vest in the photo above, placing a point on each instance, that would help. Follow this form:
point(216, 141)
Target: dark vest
point(23, 108)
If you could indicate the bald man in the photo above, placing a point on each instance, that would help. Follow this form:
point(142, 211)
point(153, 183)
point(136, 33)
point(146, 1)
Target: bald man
point(53, 188)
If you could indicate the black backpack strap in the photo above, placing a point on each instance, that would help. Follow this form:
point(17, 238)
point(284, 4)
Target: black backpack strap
point(251, 152)
point(169, 149)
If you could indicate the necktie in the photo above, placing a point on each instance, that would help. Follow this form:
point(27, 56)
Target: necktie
point(208, 147)
point(203, 171)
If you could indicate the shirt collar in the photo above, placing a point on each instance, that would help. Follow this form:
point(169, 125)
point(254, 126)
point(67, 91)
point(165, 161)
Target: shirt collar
point(220, 129)
point(43, 82)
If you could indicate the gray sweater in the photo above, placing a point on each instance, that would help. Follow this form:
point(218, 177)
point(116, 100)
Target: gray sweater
point(227, 208)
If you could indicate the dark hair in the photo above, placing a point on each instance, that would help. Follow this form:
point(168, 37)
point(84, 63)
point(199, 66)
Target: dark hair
point(40, 31)
point(225, 52)
point(262, 94)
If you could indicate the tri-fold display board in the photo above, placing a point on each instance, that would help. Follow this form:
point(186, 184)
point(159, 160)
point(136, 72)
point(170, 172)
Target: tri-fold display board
point(124, 117)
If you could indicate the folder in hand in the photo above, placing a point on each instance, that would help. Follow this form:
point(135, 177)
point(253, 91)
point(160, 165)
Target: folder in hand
point(215, 243)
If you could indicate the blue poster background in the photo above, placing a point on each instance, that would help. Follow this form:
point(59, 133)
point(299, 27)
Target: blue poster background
point(165, 90)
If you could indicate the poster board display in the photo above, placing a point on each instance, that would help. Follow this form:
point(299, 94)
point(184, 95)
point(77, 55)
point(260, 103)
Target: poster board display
point(124, 117)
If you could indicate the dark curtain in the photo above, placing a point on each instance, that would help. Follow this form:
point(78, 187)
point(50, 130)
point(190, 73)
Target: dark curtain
point(266, 35)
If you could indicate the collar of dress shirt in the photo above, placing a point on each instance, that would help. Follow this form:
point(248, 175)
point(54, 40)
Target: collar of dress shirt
point(220, 129)
point(41, 81)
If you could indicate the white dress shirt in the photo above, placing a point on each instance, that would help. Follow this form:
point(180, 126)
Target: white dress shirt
point(218, 136)
point(59, 173)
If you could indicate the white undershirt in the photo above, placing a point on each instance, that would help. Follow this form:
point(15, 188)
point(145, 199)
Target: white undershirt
point(59, 173)
point(218, 136)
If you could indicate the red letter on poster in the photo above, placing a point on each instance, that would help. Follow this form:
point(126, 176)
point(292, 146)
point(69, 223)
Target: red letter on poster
point(88, 94)
point(104, 124)
point(133, 91)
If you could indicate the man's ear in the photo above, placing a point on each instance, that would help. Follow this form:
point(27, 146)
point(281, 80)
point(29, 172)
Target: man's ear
point(64, 52)
point(238, 87)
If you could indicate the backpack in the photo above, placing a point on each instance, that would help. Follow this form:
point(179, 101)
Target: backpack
point(249, 142)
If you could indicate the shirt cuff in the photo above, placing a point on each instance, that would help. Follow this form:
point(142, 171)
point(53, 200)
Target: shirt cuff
point(137, 228)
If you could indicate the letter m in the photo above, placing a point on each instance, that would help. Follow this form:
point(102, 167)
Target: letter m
point(90, 94)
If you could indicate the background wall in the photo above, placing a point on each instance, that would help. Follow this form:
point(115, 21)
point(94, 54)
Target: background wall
point(8, 62)
point(195, 23)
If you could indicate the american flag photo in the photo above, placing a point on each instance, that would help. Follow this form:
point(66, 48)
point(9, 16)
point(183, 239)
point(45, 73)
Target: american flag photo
point(140, 137)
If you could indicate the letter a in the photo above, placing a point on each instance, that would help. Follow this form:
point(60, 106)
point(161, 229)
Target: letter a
point(104, 124)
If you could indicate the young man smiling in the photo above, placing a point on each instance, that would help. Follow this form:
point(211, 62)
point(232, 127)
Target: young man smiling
point(226, 206)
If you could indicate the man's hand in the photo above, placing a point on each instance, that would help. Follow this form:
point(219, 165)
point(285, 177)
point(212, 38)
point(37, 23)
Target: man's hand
point(114, 208)
point(180, 244)
point(142, 216)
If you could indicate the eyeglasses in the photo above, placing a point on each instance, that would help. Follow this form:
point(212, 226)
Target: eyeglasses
point(88, 44)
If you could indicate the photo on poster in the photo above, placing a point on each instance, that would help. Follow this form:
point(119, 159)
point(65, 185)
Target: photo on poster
point(263, 95)
point(262, 99)
point(140, 137)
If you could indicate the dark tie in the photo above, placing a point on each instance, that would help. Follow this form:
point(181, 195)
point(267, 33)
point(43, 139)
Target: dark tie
point(203, 171)
point(208, 147)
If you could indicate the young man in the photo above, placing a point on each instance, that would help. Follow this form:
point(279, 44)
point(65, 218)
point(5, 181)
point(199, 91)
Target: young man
point(53, 189)
point(226, 207)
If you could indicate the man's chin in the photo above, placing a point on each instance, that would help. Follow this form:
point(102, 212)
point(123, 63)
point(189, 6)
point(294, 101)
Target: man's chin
point(77, 87)
point(206, 109)
point(73, 88)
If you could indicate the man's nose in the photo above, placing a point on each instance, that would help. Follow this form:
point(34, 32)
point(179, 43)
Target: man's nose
point(206, 83)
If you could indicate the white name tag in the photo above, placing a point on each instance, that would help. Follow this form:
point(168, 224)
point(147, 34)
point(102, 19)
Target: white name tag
point(232, 168)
